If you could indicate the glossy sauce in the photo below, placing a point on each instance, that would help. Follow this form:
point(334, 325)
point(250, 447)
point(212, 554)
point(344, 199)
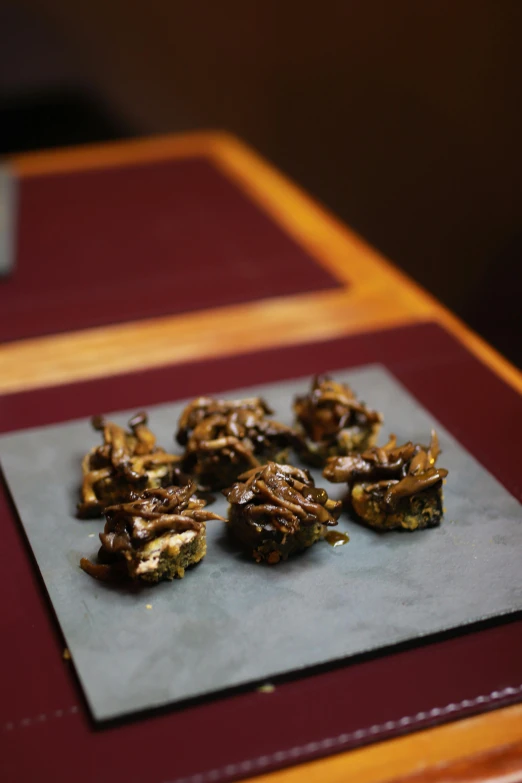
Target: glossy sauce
point(335, 538)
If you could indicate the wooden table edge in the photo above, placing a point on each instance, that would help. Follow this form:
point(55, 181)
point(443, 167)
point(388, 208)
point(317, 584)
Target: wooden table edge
point(390, 298)
point(429, 751)
point(379, 296)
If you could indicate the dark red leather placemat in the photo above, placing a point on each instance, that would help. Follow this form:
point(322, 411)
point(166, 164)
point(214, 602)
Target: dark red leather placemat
point(44, 722)
point(119, 244)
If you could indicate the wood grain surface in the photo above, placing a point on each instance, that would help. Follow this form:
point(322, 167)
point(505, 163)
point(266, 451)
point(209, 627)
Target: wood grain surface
point(474, 748)
point(501, 765)
point(379, 294)
point(483, 748)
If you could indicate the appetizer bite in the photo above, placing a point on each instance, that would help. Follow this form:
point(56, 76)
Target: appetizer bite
point(156, 535)
point(223, 438)
point(393, 486)
point(127, 462)
point(276, 510)
point(332, 422)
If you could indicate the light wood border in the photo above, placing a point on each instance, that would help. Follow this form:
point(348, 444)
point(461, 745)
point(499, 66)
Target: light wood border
point(414, 754)
point(379, 296)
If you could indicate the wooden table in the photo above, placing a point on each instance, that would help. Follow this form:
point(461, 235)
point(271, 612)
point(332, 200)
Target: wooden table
point(375, 295)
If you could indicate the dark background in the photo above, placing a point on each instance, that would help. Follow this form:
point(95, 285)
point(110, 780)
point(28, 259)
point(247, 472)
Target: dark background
point(402, 116)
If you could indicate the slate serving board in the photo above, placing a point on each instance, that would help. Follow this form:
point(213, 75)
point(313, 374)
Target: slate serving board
point(231, 621)
point(8, 215)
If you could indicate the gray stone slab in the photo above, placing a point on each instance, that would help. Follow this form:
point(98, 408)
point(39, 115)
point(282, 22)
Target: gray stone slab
point(231, 621)
point(8, 212)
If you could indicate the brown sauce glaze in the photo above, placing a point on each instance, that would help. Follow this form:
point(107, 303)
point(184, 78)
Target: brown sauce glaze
point(336, 538)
